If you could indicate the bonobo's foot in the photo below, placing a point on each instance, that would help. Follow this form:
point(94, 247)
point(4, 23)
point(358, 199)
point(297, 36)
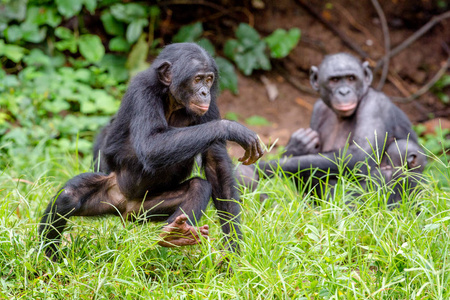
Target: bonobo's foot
point(180, 233)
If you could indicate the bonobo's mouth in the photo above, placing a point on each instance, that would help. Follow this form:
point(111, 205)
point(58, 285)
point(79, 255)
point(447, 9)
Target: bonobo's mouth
point(345, 110)
point(345, 107)
point(201, 108)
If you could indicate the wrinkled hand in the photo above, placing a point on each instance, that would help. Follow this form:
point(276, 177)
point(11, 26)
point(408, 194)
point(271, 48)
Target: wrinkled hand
point(247, 139)
point(303, 141)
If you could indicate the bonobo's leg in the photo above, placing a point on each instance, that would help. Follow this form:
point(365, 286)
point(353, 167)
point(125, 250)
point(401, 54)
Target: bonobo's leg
point(247, 176)
point(181, 208)
point(88, 194)
point(94, 194)
point(219, 172)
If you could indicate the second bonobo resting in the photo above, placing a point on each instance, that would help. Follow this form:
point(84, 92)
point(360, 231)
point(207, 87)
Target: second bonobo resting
point(348, 110)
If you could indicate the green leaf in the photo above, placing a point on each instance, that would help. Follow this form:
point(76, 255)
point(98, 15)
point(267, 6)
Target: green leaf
point(111, 25)
point(119, 44)
point(228, 79)
point(13, 10)
point(231, 48)
point(88, 107)
point(257, 121)
point(56, 106)
point(189, 33)
point(155, 11)
point(83, 75)
point(63, 33)
point(207, 45)
point(37, 58)
point(40, 15)
point(90, 5)
point(232, 116)
point(13, 33)
point(13, 52)
point(128, 12)
point(281, 42)
point(104, 102)
point(32, 33)
point(247, 35)
point(70, 45)
point(137, 59)
point(115, 64)
point(69, 8)
point(91, 47)
point(134, 30)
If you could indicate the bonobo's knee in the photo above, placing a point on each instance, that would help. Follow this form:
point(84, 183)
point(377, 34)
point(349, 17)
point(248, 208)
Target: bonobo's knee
point(404, 150)
point(247, 176)
point(202, 186)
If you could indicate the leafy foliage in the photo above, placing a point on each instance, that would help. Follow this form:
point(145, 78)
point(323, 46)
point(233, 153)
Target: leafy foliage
point(440, 88)
point(60, 81)
point(248, 50)
point(281, 42)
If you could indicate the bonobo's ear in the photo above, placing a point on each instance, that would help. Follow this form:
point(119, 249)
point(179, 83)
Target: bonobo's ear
point(165, 73)
point(314, 77)
point(368, 76)
point(412, 160)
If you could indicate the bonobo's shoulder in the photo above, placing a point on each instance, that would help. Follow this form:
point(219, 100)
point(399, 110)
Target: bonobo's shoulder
point(376, 101)
point(320, 106)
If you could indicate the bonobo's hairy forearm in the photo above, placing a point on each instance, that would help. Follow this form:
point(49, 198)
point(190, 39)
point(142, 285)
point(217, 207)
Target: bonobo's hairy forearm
point(179, 144)
point(326, 162)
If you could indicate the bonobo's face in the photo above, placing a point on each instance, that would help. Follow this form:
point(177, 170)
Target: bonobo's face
point(342, 81)
point(200, 97)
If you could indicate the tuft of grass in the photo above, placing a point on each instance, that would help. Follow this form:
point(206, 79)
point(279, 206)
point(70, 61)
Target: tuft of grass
point(295, 246)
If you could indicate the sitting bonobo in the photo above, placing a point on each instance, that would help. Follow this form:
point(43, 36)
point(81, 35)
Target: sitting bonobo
point(146, 154)
point(350, 119)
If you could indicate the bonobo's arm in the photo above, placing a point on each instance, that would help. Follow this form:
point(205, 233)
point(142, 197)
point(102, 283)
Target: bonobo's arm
point(370, 118)
point(158, 145)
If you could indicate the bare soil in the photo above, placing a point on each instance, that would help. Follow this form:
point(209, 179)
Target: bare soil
point(408, 71)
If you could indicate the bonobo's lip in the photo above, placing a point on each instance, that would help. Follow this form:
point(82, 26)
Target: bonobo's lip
point(203, 108)
point(345, 107)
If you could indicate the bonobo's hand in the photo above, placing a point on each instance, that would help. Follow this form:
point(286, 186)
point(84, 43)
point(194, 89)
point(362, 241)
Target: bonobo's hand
point(302, 142)
point(246, 138)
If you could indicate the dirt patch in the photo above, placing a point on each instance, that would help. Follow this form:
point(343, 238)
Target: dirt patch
point(292, 109)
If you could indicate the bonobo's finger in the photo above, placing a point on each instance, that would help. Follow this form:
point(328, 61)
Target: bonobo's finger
point(181, 219)
point(204, 232)
point(316, 142)
point(260, 150)
point(253, 156)
point(246, 155)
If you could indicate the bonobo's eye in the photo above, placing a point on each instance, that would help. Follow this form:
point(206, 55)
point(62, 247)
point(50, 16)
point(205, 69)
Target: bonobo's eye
point(197, 79)
point(351, 78)
point(209, 79)
point(334, 79)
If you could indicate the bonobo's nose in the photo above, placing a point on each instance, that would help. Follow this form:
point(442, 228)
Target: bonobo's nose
point(344, 91)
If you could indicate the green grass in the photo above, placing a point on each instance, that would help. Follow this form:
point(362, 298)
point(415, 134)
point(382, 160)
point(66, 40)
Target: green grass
point(295, 246)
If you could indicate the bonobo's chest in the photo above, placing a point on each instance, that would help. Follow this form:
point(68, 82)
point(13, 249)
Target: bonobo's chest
point(335, 133)
point(178, 118)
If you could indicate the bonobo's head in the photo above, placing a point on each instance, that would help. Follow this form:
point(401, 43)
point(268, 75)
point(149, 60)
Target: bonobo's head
point(190, 74)
point(342, 81)
point(402, 151)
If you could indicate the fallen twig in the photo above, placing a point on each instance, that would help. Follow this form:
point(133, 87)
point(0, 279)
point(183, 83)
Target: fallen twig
point(387, 43)
point(294, 82)
point(334, 29)
point(434, 20)
point(427, 86)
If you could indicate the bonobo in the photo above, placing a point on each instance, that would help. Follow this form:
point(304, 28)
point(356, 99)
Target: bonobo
point(146, 154)
point(349, 112)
